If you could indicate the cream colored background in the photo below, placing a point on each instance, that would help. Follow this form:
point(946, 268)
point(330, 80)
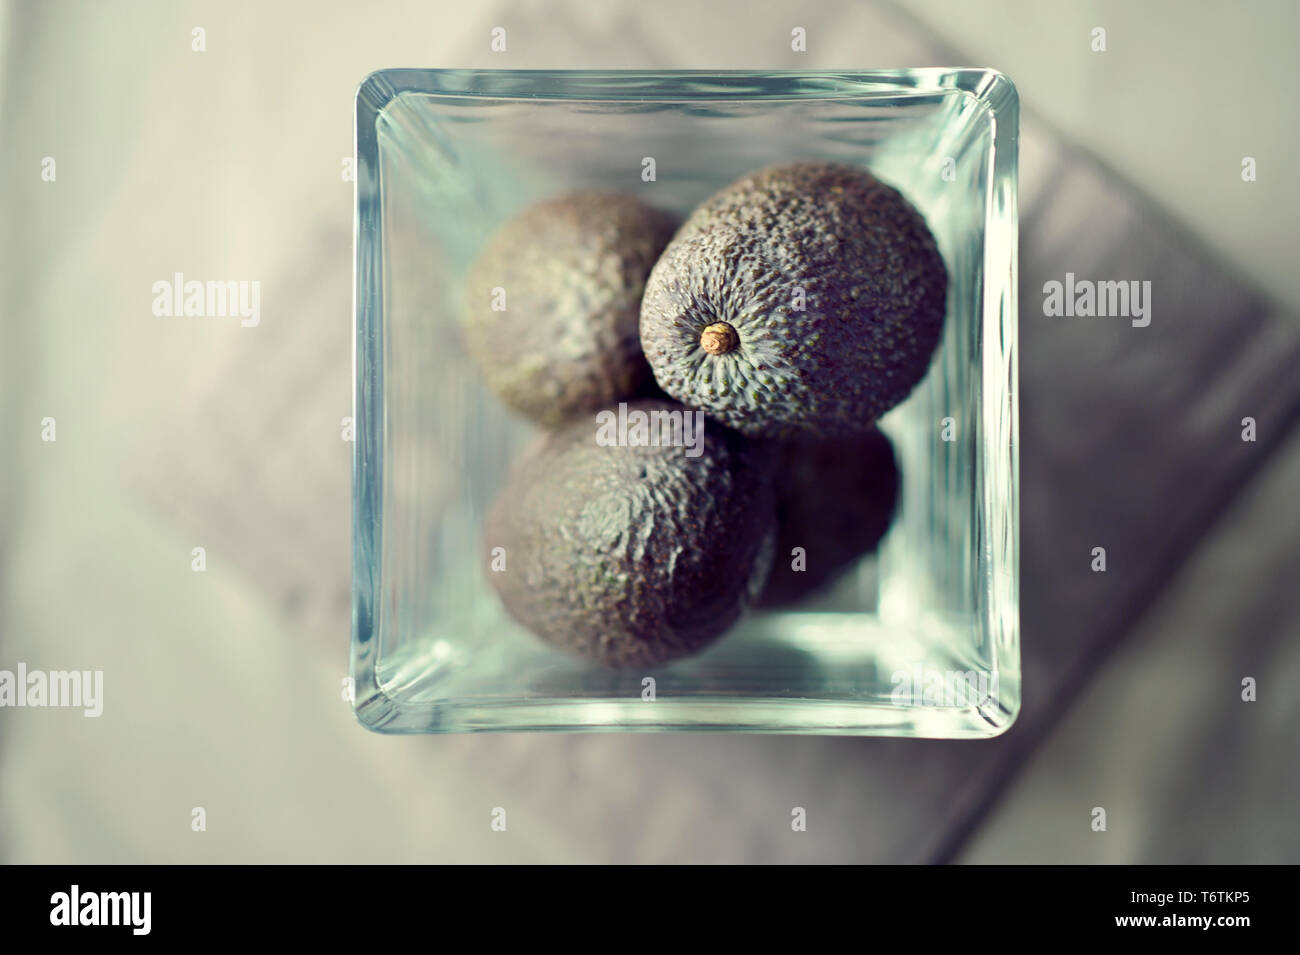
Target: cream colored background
point(227, 163)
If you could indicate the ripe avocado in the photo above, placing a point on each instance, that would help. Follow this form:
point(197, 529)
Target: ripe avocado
point(553, 303)
point(835, 500)
point(802, 299)
point(634, 555)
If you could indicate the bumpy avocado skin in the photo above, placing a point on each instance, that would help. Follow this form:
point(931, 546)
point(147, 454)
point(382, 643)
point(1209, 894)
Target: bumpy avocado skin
point(873, 295)
point(573, 269)
point(835, 499)
point(633, 556)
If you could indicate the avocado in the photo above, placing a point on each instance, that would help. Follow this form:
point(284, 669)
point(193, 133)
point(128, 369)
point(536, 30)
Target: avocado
point(834, 501)
point(803, 299)
point(553, 303)
point(632, 538)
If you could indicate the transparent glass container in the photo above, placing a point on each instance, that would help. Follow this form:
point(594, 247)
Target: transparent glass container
point(920, 640)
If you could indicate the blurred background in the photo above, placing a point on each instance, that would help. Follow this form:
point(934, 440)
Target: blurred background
point(211, 139)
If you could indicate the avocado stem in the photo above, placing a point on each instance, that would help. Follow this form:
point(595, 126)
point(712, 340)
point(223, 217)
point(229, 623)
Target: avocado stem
point(719, 338)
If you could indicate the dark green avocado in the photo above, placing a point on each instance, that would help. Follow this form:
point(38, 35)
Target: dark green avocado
point(834, 502)
point(634, 555)
point(804, 299)
point(553, 303)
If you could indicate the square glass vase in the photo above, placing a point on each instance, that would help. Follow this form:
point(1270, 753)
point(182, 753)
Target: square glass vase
point(921, 639)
